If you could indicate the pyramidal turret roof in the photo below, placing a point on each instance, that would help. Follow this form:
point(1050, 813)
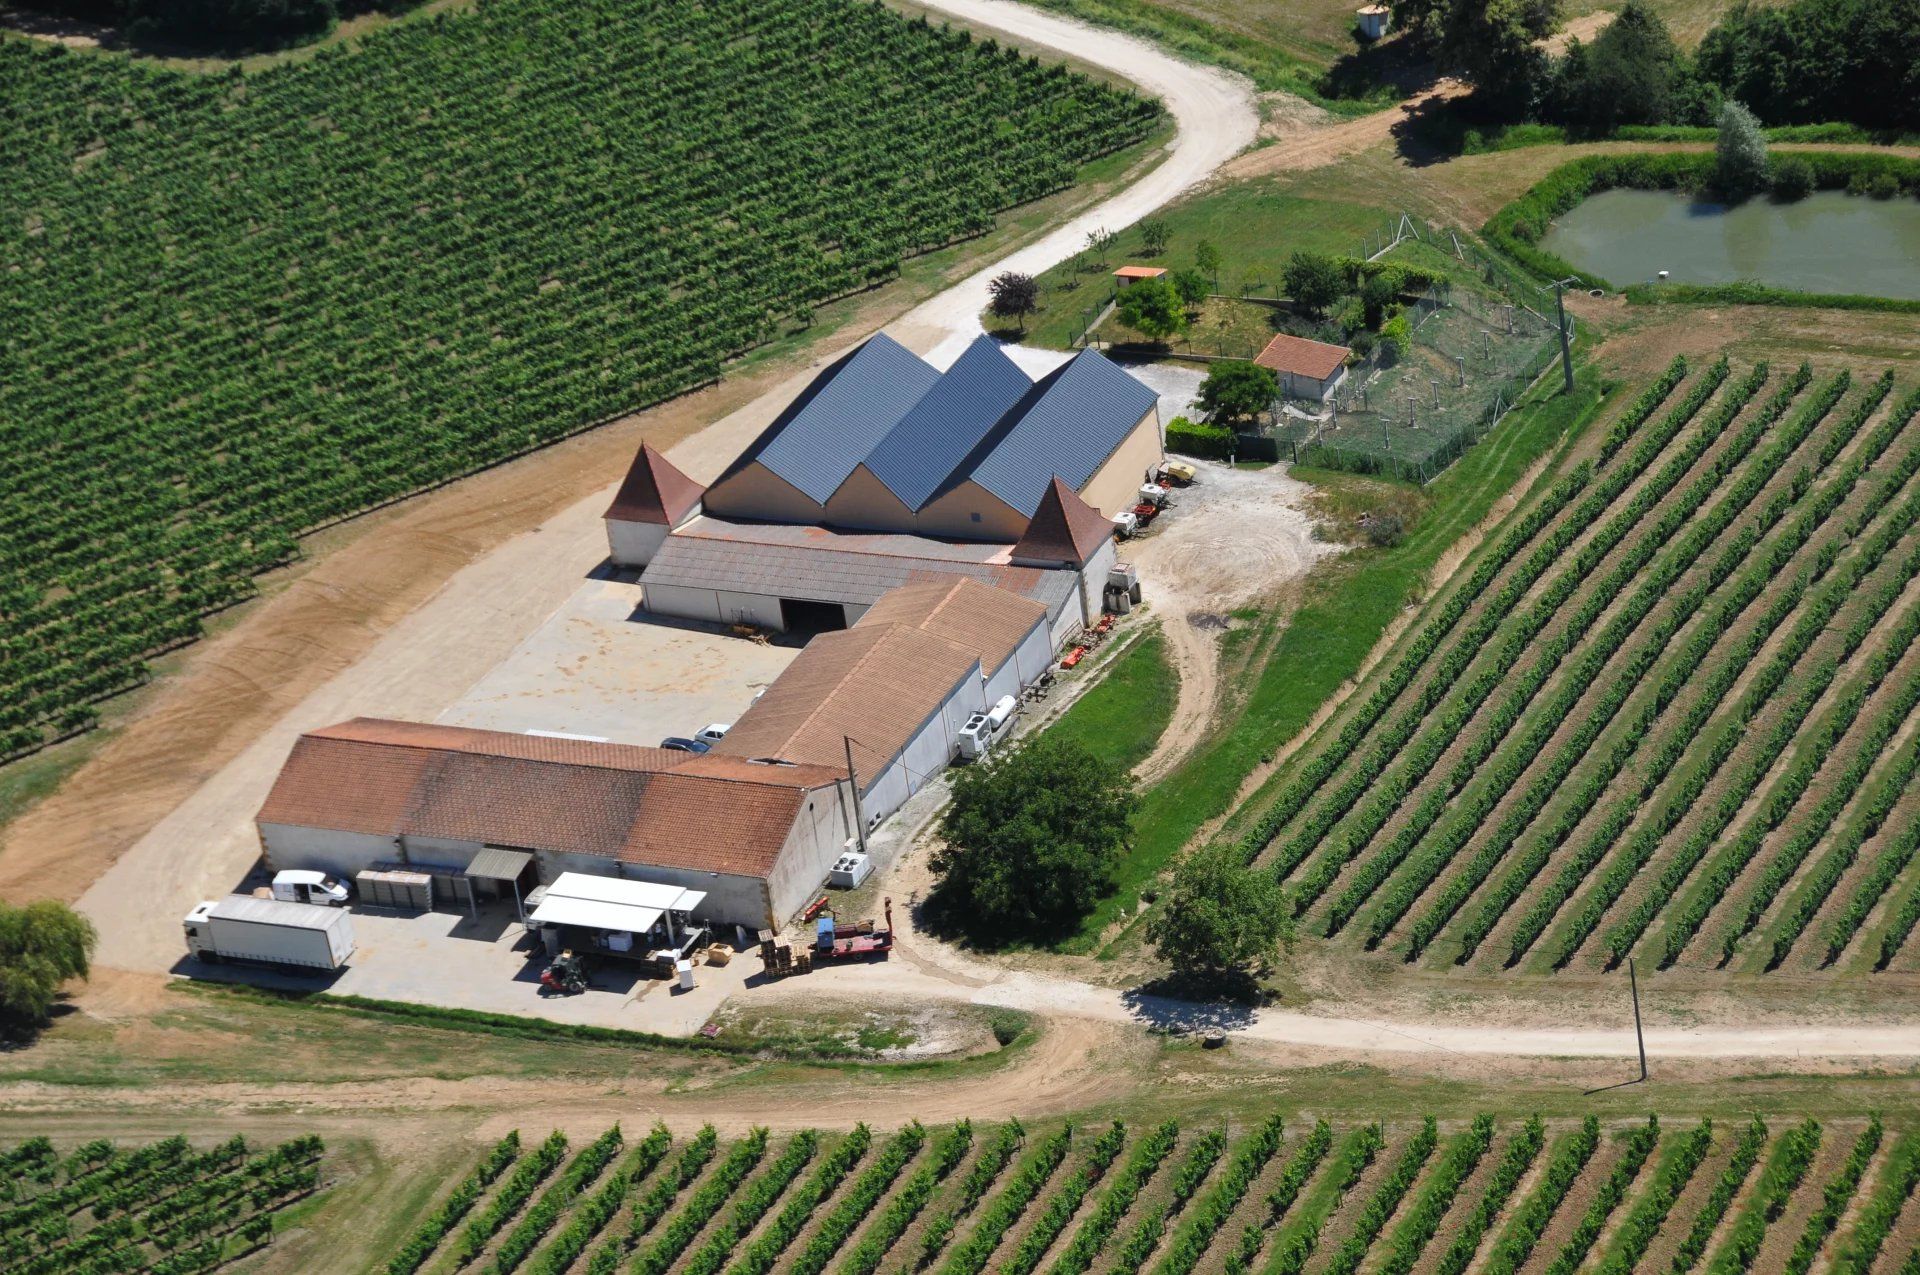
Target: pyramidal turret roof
point(654, 491)
point(1064, 528)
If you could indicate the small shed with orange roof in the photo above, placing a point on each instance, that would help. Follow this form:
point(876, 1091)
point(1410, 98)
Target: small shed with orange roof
point(1129, 275)
point(1307, 369)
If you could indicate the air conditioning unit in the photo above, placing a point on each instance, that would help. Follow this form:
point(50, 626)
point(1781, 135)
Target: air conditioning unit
point(849, 870)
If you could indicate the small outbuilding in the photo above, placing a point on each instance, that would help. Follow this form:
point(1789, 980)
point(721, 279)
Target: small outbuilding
point(1306, 369)
point(654, 498)
point(1373, 21)
point(1129, 275)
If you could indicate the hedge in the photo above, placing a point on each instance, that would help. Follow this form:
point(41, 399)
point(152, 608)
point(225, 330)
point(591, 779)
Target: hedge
point(1196, 438)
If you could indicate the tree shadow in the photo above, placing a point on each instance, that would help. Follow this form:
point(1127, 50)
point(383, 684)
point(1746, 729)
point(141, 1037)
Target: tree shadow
point(1184, 1003)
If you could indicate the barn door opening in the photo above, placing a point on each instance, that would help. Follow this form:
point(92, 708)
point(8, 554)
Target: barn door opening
point(808, 618)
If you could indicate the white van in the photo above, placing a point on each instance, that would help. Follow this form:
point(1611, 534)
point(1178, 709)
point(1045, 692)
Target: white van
point(296, 885)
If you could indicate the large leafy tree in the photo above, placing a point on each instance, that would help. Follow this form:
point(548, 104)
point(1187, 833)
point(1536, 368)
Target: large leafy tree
point(1152, 307)
point(1314, 280)
point(1631, 74)
point(42, 946)
point(1031, 841)
point(1817, 60)
point(1012, 295)
point(1221, 918)
point(1236, 392)
point(1739, 152)
point(1492, 43)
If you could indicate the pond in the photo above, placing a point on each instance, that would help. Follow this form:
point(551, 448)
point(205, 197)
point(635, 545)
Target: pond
point(1828, 242)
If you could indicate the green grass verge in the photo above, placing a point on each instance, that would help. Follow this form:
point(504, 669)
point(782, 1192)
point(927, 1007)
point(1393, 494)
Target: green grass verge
point(1760, 294)
point(1120, 720)
point(1350, 600)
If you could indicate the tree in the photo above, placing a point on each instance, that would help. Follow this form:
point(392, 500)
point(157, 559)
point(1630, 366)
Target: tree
point(1032, 840)
point(1740, 153)
point(1152, 308)
point(1013, 295)
point(1222, 918)
point(1154, 233)
point(1314, 280)
point(1492, 43)
point(1235, 392)
point(1630, 74)
point(42, 945)
point(1100, 242)
point(1378, 294)
point(1206, 259)
point(1191, 285)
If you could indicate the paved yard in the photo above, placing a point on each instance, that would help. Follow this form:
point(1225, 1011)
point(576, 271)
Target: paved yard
point(600, 666)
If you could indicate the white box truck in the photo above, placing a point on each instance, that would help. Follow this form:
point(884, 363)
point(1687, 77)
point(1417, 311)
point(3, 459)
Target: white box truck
point(242, 928)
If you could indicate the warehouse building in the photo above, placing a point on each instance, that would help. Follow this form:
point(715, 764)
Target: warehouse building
point(893, 692)
point(755, 837)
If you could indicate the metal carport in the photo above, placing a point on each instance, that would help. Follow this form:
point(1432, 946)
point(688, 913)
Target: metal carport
point(496, 864)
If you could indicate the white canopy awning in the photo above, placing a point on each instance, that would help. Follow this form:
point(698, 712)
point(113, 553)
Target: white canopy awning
point(639, 894)
point(595, 914)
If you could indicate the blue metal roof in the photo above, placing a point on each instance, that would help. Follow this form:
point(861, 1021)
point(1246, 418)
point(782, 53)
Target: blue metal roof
point(1082, 414)
point(915, 458)
point(849, 407)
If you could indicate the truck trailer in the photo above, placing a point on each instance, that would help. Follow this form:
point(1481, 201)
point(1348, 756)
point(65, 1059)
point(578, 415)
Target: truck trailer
point(269, 931)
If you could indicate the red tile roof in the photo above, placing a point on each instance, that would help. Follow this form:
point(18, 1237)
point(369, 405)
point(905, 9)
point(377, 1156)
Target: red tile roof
point(654, 491)
point(876, 684)
point(1315, 360)
point(1139, 272)
point(1064, 528)
point(613, 801)
point(990, 622)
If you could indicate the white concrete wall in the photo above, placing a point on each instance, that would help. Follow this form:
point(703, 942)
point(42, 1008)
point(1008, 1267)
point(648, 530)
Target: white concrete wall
point(885, 794)
point(324, 849)
point(1004, 680)
point(1064, 625)
point(440, 852)
point(633, 544)
point(854, 611)
point(1035, 654)
point(715, 606)
point(821, 833)
point(1093, 580)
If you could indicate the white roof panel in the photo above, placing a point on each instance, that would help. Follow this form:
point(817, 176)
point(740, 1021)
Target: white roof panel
point(306, 916)
point(641, 894)
point(595, 914)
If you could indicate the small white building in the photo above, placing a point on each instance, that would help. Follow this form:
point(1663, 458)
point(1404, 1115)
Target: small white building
point(654, 498)
point(1373, 21)
point(1306, 369)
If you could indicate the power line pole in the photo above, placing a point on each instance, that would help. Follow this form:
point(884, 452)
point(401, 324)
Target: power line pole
point(853, 783)
point(1566, 346)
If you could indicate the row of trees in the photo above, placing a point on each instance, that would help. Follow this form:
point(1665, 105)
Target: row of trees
point(1810, 61)
point(223, 25)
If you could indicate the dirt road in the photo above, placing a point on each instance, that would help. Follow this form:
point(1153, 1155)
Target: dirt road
point(1236, 537)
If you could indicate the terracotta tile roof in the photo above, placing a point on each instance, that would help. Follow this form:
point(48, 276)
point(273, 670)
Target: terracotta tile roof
point(877, 683)
point(1065, 528)
point(1139, 272)
point(990, 622)
point(1315, 360)
point(636, 805)
point(654, 491)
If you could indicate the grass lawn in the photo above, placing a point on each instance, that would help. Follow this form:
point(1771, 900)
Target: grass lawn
point(1256, 225)
point(1120, 720)
point(1349, 603)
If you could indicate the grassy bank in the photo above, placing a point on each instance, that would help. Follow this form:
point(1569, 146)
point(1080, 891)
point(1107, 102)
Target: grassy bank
point(1350, 602)
point(1120, 720)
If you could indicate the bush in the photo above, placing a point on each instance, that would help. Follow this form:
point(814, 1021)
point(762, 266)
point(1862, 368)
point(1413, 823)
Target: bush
point(1739, 153)
point(1396, 339)
point(1792, 180)
point(42, 945)
point(1236, 392)
point(1193, 438)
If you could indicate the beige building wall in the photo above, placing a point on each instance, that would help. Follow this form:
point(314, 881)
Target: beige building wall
point(864, 502)
point(757, 492)
point(1116, 484)
point(971, 512)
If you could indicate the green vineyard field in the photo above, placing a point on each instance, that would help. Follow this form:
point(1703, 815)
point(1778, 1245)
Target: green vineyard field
point(1666, 711)
point(1274, 1196)
point(168, 1208)
point(240, 307)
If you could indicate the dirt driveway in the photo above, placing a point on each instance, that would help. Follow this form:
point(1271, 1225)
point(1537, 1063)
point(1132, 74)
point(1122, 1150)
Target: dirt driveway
point(1234, 538)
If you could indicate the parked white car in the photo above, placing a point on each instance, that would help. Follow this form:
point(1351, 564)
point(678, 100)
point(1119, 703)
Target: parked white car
point(296, 885)
point(714, 732)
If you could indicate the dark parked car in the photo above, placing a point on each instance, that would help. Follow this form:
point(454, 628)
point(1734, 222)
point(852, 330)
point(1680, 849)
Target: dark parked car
point(679, 745)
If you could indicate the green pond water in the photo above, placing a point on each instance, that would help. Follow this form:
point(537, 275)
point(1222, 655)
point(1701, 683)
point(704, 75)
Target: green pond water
point(1828, 242)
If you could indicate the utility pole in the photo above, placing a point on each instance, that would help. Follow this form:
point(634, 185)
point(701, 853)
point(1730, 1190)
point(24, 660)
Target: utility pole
point(853, 783)
point(1639, 1035)
point(1566, 346)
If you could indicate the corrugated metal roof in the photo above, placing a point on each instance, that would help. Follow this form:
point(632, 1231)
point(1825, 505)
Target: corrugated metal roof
point(1085, 411)
point(303, 916)
point(824, 573)
point(847, 409)
point(495, 864)
point(915, 458)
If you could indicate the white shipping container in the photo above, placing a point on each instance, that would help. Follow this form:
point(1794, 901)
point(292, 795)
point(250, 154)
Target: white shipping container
point(241, 928)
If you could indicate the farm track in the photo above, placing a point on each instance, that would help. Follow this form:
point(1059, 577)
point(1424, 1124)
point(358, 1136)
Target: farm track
point(1668, 712)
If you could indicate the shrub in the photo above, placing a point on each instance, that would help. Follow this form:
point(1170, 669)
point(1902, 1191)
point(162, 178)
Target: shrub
point(1396, 339)
point(1196, 438)
point(1792, 179)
